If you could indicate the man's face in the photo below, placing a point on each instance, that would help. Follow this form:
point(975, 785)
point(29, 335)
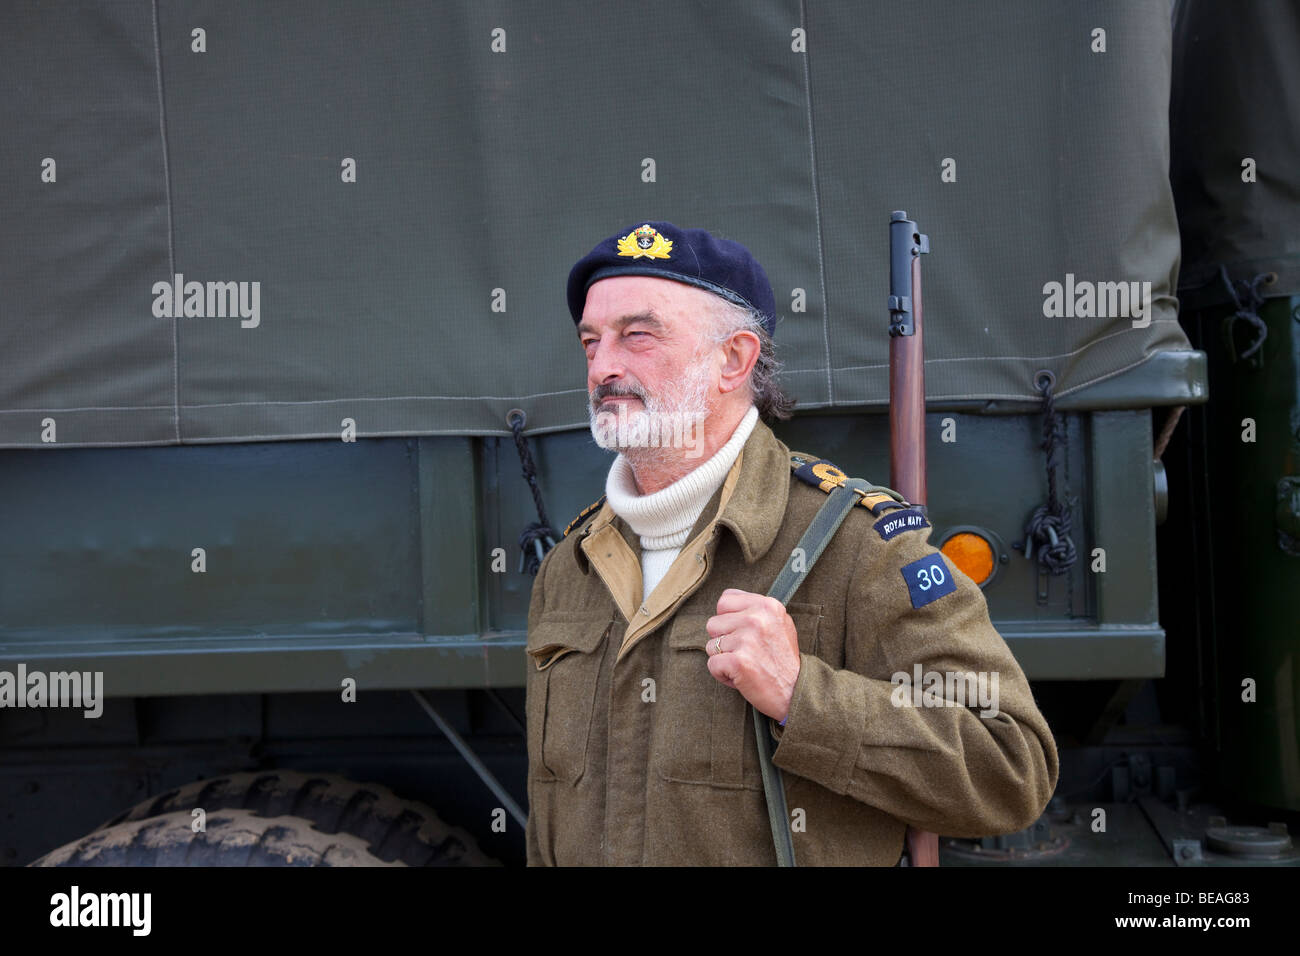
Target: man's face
point(648, 365)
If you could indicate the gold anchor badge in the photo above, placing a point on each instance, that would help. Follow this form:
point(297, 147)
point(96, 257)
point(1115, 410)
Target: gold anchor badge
point(644, 242)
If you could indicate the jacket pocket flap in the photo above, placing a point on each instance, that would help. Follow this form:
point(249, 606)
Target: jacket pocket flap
point(688, 631)
point(554, 637)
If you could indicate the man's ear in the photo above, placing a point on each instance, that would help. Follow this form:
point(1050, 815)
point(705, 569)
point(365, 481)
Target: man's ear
point(740, 353)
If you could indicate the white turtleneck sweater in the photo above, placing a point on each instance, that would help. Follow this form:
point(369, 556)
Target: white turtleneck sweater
point(663, 520)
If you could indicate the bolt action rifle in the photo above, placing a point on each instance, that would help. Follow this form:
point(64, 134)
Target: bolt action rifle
point(907, 477)
point(907, 409)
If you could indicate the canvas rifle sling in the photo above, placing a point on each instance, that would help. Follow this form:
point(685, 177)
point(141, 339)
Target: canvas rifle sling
point(810, 547)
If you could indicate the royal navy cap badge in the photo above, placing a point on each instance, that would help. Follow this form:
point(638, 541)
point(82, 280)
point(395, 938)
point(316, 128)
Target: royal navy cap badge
point(645, 242)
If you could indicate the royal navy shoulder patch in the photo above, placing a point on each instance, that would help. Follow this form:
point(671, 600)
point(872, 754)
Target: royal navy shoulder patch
point(584, 514)
point(896, 522)
point(825, 476)
point(645, 242)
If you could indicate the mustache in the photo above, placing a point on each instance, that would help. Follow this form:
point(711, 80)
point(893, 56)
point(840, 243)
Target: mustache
point(602, 392)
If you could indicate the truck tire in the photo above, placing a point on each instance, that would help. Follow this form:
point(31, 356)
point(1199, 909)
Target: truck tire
point(230, 838)
point(394, 829)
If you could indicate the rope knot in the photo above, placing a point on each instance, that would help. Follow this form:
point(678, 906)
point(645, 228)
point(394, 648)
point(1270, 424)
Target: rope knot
point(1048, 529)
point(1247, 298)
point(538, 537)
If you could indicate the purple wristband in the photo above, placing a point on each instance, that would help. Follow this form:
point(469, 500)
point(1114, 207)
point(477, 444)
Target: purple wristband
point(782, 723)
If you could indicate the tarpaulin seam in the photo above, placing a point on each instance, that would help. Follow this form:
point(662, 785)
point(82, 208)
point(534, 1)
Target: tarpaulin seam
point(158, 443)
point(332, 435)
point(1111, 374)
point(83, 408)
point(817, 204)
point(465, 398)
point(1030, 358)
point(171, 247)
point(390, 398)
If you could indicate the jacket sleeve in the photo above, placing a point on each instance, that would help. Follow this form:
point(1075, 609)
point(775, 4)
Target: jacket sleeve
point(957, 764)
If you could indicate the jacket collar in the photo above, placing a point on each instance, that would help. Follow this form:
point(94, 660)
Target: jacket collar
point(753, 514)
point(757, 507)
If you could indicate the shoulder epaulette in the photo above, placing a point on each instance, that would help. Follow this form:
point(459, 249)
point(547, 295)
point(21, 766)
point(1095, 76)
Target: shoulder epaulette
point(584, 514)
point(825, 476)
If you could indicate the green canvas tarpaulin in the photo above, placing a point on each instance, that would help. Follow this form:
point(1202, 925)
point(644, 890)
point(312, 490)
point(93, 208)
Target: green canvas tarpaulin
point(494, 143)
point(1235, 125)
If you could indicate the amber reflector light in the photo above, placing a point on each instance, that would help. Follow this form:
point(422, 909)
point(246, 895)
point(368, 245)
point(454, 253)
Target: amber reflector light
point(972, 554)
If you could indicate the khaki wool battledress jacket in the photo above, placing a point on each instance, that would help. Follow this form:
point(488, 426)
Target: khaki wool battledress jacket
point(637, 755)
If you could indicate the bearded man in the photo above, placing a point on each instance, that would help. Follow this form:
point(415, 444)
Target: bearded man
point(650, 635)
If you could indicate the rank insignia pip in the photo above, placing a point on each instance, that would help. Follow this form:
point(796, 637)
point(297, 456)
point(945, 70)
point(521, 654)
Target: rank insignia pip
point(645, 242)
point(584, 514)
point(821, 474)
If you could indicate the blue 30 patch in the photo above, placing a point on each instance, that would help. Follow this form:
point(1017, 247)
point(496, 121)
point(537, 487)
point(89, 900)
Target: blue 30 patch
point(898, 521)
point(928, 579)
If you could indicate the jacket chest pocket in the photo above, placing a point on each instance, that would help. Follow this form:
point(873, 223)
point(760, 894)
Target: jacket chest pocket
point(566, 656)
point(704, 733)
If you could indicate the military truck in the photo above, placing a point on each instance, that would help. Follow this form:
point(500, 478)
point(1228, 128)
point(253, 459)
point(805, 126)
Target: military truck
point(291, 402)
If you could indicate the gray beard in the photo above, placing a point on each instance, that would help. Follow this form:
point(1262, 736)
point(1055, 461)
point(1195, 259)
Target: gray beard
point(667, 425)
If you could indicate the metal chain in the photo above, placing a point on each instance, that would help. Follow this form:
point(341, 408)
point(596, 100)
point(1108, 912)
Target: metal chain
point(1049, 527)
point(538, 537)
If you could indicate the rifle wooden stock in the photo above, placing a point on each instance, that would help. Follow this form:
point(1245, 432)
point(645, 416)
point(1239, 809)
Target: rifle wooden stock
point(907, 411)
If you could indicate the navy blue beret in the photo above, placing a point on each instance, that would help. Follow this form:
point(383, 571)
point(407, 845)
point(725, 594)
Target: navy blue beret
point(692, 256)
